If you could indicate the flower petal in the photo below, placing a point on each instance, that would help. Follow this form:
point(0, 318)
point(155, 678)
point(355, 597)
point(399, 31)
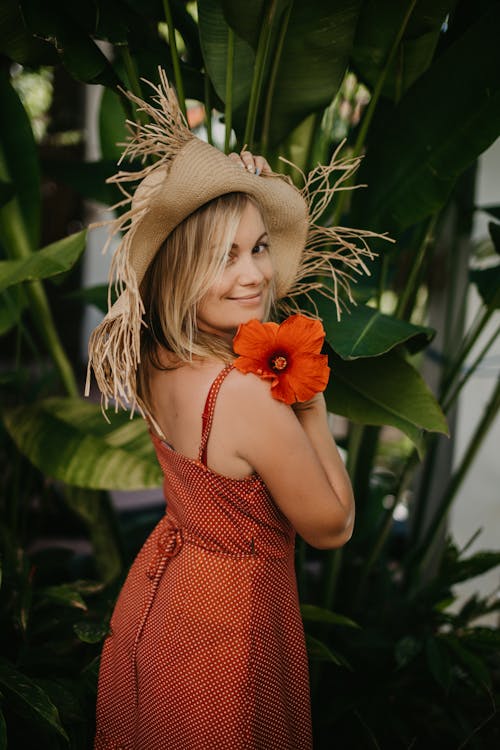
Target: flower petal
point(246, 364)
point(255, 339)
point(308, 375)
point(300, 334)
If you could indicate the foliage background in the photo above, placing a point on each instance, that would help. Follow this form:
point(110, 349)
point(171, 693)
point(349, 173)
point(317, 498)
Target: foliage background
point(414, 87)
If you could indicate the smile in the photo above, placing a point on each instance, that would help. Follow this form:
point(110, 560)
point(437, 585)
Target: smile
point(251, 299)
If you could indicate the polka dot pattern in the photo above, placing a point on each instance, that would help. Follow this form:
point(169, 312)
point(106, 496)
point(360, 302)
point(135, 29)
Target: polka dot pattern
point(206, 647)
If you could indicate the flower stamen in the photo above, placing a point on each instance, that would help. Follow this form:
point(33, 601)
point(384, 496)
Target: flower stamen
point(279, 362)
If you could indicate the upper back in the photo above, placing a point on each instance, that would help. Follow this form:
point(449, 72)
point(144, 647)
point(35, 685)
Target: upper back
point(178, 397)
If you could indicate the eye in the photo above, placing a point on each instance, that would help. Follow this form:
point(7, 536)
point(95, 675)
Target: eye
point(260, 248)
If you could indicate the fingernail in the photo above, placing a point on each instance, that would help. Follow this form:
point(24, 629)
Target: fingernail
point(250, 168)
point(258, 171)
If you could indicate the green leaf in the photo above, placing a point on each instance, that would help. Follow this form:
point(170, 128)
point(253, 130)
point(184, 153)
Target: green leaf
point(17, 43)
point(312, 613)
point(487, 281)
point(406, 649)
point(494, 230)
point(69, 29)
point(319, 651)
point(52, 260)
point(3, 732)
point(377, 29)
point(95, 509)
point(491, 209)
point(90, 632)
point(313, 61)
point(18, 149)
point(69, 439)
point(440, 126)
point(64, 594)
point(94, 295)
point(12, 304)
point(7, 192)
point(438, 661)
point(214, 29)
point(472, 664)
point(386, 390)
point(112, 128)
point(476, 565)
point(31, 695)
point(366, 332)
point(87, 178)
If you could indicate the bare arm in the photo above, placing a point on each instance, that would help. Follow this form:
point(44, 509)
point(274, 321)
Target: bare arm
point(296, 456)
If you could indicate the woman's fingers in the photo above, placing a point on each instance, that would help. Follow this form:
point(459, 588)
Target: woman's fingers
point(254, 164)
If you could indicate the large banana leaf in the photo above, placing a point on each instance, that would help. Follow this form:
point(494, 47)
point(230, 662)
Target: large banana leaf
point(214, 30)
point(366, 332)
point(20, 162)
point(69, 29)
point(69, 439)
point(17, 43)
point(52, 260)
point(378, 27)
point(386, 390)
point(444, 121)
point(311, 65)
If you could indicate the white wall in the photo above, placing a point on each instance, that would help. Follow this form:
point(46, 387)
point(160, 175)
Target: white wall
point(478, 503)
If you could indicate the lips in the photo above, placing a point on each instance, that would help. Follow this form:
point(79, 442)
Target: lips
point(245, 299)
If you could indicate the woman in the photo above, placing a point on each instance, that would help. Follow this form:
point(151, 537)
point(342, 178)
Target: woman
point(206, 645)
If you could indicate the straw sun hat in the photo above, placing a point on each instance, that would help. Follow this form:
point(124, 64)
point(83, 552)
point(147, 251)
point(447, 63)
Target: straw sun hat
point(183, 174)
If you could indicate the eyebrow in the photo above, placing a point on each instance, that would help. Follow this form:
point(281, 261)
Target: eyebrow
point(264, 234)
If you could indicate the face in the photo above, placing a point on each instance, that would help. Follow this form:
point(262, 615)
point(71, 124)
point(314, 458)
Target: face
point(243, 290)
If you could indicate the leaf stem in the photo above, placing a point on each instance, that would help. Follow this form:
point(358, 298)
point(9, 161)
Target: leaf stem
point(370, 110)
point(489, 414)
point(175, 57)
point(258, 73)
point(470, 370)
point(208, 108)
point(228, 105)
point(266, 122)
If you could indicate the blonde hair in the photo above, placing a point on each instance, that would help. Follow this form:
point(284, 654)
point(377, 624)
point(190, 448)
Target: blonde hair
point(190, 260)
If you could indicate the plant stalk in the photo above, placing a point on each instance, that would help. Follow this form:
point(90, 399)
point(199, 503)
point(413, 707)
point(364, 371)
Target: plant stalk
point(470, 371)
point(228, 107)
point(266, 120)
point(482, 429)
point(208, 108)
point(258, 73)
point(470, 339)
point(15, 238)
point(179, 86)
point(370, 110)
point(414, 277)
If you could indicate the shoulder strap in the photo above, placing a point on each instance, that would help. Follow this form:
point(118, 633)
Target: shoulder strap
point(208, 411)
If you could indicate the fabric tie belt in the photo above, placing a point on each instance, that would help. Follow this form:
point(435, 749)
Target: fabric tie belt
point(169, 545)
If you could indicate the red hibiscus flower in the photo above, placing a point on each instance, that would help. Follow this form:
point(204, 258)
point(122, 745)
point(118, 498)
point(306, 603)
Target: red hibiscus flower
point(288, 355)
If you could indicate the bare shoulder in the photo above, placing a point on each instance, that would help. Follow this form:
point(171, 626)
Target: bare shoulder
point(250, 396)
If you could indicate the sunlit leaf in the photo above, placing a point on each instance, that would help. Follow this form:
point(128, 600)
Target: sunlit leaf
point(52, 260)
point(393, 394)
point(69, 439)
point(366, 332)
point(19, 151)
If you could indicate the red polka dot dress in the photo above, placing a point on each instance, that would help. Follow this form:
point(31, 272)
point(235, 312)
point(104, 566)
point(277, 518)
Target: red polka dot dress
point(206, 646)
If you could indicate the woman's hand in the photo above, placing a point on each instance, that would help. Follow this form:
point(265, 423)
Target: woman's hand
point(316, 402)
point(255, 164)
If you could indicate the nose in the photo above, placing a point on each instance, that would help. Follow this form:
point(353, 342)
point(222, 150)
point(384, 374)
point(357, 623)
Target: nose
point(250, 272)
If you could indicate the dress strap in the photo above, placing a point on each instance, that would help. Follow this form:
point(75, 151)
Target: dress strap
point(208, 411)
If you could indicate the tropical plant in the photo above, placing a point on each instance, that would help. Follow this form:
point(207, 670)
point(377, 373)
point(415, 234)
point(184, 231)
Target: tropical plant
point(397, 668)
